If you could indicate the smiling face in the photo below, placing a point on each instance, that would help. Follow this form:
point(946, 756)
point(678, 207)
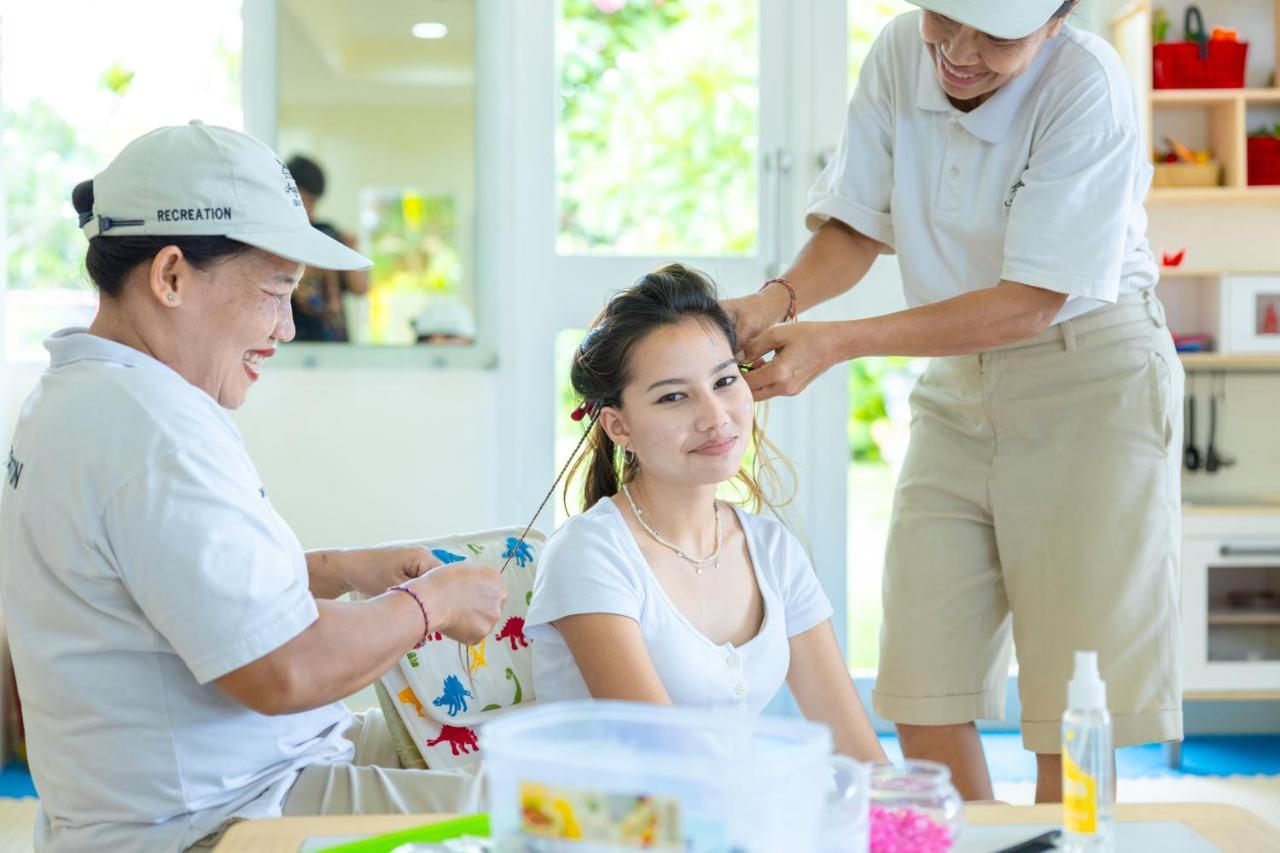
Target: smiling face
point(971, 65)
point(686, 412)
point(232, 314)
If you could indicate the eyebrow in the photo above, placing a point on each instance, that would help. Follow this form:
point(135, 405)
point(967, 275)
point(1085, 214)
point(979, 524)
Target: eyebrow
point(719, 367)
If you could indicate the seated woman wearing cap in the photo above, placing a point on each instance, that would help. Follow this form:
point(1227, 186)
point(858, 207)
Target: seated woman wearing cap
point(659, 591)
point(180, 658)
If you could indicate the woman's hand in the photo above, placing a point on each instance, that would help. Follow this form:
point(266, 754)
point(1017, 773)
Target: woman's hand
point(753, 315)
point(464, 600)
point(801, 353)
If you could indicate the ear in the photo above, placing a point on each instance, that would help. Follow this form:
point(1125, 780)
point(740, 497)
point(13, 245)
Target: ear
point(167, 276)
point(614, 423)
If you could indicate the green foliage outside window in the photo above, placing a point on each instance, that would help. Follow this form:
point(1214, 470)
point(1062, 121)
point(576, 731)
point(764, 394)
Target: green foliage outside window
point(656, 141)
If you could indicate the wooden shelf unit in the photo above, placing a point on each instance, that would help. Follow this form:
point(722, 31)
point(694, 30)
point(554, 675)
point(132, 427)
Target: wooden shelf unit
point(1243, 617)
point(1204, 362)
point(1226, 111)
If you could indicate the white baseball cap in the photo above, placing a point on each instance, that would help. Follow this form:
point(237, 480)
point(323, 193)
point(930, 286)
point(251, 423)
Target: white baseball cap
point(200, 180)
point(1005, 19)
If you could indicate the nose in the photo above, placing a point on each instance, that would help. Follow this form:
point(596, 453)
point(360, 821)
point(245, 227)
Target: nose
point(713, 413)
point(961, 46)
point(284, 330)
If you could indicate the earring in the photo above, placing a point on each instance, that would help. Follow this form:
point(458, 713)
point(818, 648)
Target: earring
point(170, 297)
point(628, 456)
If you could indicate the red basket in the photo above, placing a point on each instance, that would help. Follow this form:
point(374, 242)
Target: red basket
point(1185, 65)
point(1264, 160)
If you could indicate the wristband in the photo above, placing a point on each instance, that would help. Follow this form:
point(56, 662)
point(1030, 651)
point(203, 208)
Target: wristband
point(426, 621)
point(791, 297)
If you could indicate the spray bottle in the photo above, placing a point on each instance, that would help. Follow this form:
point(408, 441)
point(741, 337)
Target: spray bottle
point(1088, 771)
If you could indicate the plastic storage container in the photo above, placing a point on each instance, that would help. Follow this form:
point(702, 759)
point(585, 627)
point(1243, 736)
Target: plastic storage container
point(1200, 62)
point(1264, 160)
point(914, 806)
point(597, 776)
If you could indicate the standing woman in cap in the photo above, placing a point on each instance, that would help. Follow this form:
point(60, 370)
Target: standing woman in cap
point(180, 658)
point(997, 151)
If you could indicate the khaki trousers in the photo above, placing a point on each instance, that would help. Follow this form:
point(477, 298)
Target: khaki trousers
point(1040, 496)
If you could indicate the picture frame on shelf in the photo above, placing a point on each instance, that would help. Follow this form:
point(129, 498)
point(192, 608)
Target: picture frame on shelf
point(1251, 314)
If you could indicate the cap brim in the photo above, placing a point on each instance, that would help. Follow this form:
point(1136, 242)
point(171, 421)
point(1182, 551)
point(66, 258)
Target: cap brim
point(306, 245)
point(1002, 20)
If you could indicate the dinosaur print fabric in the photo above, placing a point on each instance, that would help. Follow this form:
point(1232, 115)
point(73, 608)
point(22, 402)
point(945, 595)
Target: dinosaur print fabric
point(443, 691)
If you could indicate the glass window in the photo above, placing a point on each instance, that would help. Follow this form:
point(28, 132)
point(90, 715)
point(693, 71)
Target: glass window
point(656, 140)
point(866, 19)
point(879, 420)
point(108, 78)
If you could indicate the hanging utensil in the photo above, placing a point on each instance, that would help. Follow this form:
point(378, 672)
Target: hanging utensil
point(1215, 459)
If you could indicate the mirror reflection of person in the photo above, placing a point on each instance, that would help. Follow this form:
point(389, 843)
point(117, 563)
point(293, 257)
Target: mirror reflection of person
point(444, 321)
point(317, 304)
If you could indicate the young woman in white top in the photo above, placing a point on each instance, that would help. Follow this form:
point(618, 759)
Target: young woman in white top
point(659, 592)
point(998, 151)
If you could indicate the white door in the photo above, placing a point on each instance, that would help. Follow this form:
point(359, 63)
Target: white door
point(642, 133)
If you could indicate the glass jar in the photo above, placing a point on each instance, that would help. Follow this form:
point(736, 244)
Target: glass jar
point(914, 806)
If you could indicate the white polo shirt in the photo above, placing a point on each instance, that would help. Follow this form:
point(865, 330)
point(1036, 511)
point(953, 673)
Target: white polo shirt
point(1042, 184)
point(593, 565)
point(140, 560)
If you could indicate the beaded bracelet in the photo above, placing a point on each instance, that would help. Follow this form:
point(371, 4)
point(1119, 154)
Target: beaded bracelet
point(426, 622)
point(791, 297)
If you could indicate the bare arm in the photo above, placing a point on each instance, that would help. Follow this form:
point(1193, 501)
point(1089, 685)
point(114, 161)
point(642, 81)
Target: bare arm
point(352, 643)
point(825, 692)
point(369, 571)
point(834, 259)
point(610, 652)
point(970, 323)
point(355, 281)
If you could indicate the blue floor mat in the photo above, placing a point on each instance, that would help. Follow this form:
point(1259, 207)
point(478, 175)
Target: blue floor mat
point(15, 782)
point(1202, 755)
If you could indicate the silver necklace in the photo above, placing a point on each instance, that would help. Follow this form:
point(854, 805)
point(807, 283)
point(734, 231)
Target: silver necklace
point(693, 561)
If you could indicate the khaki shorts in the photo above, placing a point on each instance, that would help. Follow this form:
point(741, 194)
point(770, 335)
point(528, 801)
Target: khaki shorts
point(1041, 492)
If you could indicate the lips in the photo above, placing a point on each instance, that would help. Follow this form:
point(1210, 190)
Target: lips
point(253, 361)
point(717, 446)
point(955, 76)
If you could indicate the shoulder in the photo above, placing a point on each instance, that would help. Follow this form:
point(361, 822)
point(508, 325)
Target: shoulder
point(774, 544)
point(588, 541)
point(1085, 88)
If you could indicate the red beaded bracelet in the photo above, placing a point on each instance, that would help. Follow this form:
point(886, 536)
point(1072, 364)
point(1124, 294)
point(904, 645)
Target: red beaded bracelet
point(791, 297)
point(426, 621)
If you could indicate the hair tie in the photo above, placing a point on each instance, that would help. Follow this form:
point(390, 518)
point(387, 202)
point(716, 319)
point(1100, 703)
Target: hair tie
point(586, 410)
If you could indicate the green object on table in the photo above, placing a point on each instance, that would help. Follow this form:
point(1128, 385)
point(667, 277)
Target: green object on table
point(476, 825)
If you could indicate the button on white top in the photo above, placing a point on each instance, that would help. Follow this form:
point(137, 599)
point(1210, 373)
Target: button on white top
point(732, 659)
point(740, 688)
point(954, 171)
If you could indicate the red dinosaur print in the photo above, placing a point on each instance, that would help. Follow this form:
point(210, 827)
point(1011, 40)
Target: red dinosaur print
point(513, 630)
point(458, 738)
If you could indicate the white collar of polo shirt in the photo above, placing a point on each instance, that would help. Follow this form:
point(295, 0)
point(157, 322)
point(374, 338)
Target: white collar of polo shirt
point(67, 346)
point(991, 120)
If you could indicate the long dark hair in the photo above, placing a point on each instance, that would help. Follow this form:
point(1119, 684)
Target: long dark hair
point(601, 370)
point(109, 260)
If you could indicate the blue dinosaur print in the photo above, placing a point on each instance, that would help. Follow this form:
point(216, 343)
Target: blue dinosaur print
point(519, 549)
point(454, 696)
point(447, 557)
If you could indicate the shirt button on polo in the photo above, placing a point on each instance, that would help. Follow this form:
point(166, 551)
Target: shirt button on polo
point(732, 659)
point(954, 171)
point(740, 688)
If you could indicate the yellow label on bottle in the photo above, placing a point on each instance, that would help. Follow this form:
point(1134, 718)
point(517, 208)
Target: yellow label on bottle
point(1079, 798)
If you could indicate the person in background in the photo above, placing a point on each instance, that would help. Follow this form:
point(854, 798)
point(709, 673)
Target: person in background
point(445, 320)
point(659, 591)
point(181, 659)
point(317, 304)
